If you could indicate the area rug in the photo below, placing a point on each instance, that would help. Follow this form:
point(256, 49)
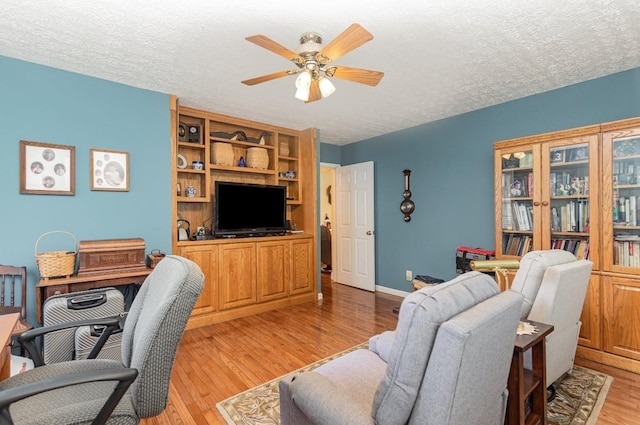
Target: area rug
point(579, 398)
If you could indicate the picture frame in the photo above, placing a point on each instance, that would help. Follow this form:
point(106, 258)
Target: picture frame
point(578, 154)
point(557, 156)
point(47, 168)
point(109, 170)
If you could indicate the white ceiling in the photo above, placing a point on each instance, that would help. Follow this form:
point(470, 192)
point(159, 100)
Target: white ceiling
point(440, 57)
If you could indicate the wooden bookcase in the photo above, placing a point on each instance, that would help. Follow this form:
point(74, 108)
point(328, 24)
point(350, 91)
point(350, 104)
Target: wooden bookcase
point(246, 275)
point(576, 193)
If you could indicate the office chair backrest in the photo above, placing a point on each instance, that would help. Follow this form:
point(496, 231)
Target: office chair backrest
point(13, 283)
point(153, 329)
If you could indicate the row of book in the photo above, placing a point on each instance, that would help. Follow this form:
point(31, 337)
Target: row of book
point(626, 172)
point(571, 217)
point(625, 210)
point(513, 244)
point(517, 216)
point(578, 247)
point(626, 252)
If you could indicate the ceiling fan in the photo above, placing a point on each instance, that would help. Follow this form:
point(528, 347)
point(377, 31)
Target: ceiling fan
point(314, 62)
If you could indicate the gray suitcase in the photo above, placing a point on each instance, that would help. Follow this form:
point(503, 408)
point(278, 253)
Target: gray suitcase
point(87, 336)
point(95, 303)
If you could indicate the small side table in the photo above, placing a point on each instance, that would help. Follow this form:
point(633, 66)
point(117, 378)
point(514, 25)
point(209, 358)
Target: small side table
point(523, 383)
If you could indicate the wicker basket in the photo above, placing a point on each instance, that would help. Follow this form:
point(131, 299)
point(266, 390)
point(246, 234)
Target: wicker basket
point(56, 263)
point(284, 148)
point(222, 154)
point(258, 158)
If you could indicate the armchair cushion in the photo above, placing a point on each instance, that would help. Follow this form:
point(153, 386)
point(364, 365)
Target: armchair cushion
point(338, 392)
point(421, 314)
point(532, 268)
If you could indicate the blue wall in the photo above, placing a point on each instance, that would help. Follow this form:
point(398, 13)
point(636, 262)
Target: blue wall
point(452, 171)
point(329, 153)
point(451, 162)
point(43, 104)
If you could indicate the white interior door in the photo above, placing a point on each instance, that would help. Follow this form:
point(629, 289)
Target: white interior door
point(353, 226)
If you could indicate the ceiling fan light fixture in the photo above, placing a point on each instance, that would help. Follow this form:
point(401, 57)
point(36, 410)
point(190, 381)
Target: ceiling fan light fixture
point(303, 80)
point(303, 93)
point(326, 87)
point(314, 62)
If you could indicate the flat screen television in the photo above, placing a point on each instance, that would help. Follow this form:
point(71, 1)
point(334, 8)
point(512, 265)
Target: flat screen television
point(243, 209)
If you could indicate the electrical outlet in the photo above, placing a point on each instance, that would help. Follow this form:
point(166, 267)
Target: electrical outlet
point(408, 275)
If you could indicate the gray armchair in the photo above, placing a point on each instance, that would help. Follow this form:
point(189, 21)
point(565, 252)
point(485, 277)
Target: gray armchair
point(98, 391)
point(446, 363)
point(554, 284)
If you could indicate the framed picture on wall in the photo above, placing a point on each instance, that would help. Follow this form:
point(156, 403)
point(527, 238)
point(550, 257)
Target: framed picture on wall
point(109, 170)
point(47, 169)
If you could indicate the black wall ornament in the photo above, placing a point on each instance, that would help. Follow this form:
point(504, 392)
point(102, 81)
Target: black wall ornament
point(407, 206)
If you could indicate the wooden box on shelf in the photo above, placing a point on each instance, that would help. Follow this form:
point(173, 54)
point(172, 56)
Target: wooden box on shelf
point(104, 256)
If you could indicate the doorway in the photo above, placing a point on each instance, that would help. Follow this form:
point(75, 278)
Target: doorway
point(327, 240)
point(353, 226)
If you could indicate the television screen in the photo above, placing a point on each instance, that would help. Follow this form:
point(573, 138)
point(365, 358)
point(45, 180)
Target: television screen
point(243, 209)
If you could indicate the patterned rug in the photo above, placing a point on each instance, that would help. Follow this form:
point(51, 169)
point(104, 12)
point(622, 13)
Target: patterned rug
point(579, 398)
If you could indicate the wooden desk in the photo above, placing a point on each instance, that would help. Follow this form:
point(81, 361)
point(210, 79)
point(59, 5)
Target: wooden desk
point(7, 323)
point(523, 382)
point(48, 287)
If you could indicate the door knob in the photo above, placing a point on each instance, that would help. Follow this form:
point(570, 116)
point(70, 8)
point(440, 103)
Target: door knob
point(369, 232)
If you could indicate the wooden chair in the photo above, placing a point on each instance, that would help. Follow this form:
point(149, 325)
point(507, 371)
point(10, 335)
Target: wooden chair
point(16, 279)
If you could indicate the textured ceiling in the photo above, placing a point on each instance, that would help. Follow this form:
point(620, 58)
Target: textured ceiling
point(440, 57)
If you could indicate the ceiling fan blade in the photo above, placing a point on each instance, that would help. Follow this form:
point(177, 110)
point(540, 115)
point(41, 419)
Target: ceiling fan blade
point(265, 78)
point(269, 44)
point(314, 92)
point(351, 38)
point(362, 76)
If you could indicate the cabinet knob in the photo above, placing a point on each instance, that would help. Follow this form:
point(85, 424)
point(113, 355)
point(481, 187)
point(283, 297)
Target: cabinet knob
point(536, 204)
point(369, 232)
point(545, 203)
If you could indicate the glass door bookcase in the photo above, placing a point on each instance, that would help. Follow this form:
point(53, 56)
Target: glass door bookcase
point(621, 199)
point(546, 192)
point(516, 192)
point(571, 219)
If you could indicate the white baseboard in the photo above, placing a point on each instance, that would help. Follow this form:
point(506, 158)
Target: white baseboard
point(392, 291)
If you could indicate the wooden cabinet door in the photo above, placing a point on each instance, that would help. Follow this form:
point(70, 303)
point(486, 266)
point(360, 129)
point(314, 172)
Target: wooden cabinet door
point(517, 199)
point(621, 314)
point(590, 335)
point(273, 270)
point(621, 201)
point(205, 256)
point(570, 206)
point(302, 269)
point(237, 275)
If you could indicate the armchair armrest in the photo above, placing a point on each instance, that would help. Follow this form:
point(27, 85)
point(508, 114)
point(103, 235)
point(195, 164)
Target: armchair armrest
point(124, 376)
point(27, 339)
point(325, 403)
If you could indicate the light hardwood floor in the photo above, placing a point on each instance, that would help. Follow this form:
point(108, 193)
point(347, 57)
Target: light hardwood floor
point(218, 361)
